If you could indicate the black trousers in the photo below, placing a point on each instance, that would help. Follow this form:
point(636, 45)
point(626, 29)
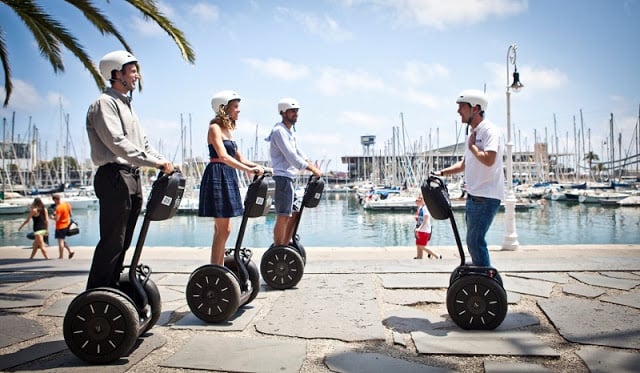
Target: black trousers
point(119, 193)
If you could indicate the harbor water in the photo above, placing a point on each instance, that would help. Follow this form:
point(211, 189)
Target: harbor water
point(339, 220)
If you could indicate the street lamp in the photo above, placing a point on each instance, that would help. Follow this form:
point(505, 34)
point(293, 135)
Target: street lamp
point(510, 241)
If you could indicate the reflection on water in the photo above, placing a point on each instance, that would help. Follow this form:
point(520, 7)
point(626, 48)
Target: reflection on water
point(340, 221)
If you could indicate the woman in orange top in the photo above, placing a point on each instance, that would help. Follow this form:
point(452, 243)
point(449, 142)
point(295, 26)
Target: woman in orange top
point(62, 216)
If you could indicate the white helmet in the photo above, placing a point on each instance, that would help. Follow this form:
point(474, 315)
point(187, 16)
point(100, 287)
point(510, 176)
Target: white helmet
point(286, 104)
point(223, 98)
point(473, 97)
point(114, 61)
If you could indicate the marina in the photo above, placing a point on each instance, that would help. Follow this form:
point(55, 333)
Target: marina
point(340, 220)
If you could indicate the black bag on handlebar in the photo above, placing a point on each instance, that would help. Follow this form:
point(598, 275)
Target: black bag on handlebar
point(436, 197)
point(313, 192)
point(259, 196)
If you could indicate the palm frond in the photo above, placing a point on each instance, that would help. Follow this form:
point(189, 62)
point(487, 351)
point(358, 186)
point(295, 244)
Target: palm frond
point(39, 23)
point(150, 10)
point(4, 57)
point(99, 20)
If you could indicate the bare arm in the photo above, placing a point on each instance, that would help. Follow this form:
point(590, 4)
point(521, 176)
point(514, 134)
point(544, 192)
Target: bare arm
point(453, 169)
point(31, 214)
point(487, 158)
point(215, 138)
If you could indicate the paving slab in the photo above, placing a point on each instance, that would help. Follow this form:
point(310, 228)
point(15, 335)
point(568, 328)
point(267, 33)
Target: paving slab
point(601, 360)
point(513, 367)
point(342, 307)
point(15, 276)
point(631, 299)
point(56, 282)
point(409, 319)
point(238, 322)
point(237, 354)
point(624, 275)
point(400, 338)
point(14, 301)
point(557, 277)
point(506, 343)
point(377, 266)
point(367, 362)
point(175, 279)
point(58, 308)
point(593, 322)
point(36, 351)
point(528, 286)
point(415, 280)
point(583, 290)
point(76, 288)
point(604, 281)
point(169, 294)
point(66, 362)
point(17, 329)
point(412, 296)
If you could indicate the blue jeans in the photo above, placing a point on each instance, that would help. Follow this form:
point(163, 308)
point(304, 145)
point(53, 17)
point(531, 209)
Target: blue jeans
point(479, 215)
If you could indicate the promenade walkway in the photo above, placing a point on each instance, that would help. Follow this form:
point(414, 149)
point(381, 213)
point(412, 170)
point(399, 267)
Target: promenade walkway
point(571, 309)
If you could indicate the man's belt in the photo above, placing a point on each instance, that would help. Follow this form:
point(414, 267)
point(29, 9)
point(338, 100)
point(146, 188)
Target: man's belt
point(119, 166)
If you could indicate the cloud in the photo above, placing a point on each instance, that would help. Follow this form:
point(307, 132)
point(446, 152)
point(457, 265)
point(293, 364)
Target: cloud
point(362, 120)
point(535, 79)
point(23, 97)
point(332, 81)
point(416, 73)
point(279, 68)
point(439, 14)
point(204, 11)
point(422, 98)
point(543, 79)
point(325, 27)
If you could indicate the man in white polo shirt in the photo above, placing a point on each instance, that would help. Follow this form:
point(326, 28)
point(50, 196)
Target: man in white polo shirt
point(483, 173)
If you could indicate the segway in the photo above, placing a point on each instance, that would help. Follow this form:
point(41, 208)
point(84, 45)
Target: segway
point(102, 324)
point(476, 299)
point(215, 292)
point(282, 267)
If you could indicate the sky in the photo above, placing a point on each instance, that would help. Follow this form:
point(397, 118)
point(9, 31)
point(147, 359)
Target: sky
point(357, 68)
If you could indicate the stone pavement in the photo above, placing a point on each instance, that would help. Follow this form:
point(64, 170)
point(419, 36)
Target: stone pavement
point(571, 308)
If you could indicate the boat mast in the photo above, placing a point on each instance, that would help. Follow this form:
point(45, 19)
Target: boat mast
point(582, 134)
point(612, 150)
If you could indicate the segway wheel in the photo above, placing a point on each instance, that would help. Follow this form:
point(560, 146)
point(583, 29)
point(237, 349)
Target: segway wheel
point(254, 276)
point(281, 267)
point(476, 302)
point(298, 246)
point(213, 293)
point(100, 326)
point(155, 303)
point(153, 299)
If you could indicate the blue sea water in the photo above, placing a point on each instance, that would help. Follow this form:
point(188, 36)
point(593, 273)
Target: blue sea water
point(340, 221)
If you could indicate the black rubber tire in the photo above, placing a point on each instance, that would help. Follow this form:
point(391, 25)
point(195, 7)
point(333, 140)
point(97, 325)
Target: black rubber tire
point(281, 267)
point(155, 303)
point(476, 302)
point(254, 276)
point(100, 326)
point(213, 293)
point(298, 246)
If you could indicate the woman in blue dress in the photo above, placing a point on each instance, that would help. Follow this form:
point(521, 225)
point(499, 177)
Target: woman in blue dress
point(219, 190)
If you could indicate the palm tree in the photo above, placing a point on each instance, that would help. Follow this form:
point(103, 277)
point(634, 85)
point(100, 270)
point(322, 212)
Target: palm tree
point(590, 157)
point(51, 36)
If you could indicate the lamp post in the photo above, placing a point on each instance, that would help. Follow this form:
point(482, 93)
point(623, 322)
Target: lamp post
point(510, 241)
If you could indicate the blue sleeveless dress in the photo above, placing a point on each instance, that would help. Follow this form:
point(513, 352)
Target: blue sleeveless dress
point(219, 189)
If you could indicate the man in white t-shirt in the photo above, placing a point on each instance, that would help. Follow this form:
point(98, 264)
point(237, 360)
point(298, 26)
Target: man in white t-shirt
point(483, 173)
